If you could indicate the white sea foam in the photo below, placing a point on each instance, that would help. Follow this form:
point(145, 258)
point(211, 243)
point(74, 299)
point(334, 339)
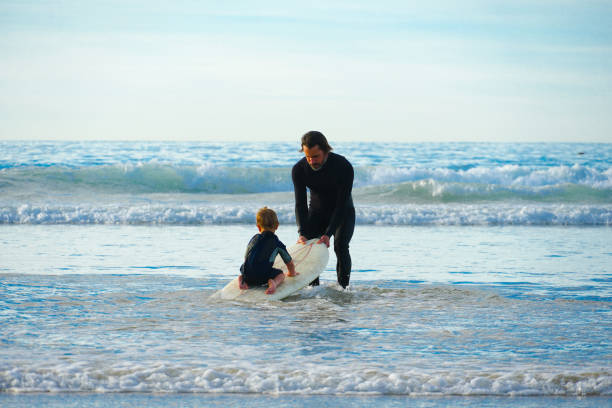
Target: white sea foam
point(485, 214)
point(506, 175)
point(244, 213)
point(311, 379)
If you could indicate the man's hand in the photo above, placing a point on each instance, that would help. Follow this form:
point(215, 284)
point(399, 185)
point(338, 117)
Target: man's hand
point(324, 239)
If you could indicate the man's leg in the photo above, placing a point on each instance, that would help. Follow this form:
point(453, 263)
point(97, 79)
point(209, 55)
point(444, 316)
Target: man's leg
point(342, 237)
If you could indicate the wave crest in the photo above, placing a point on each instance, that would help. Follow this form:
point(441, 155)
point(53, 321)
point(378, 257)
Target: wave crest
point(219, 214)
point(507, 175)
point(212, 179)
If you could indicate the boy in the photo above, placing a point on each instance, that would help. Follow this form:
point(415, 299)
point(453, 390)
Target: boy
point(260, 254)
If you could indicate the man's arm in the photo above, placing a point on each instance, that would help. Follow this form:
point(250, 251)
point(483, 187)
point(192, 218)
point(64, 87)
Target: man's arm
point(301, 205)
point(343, 199)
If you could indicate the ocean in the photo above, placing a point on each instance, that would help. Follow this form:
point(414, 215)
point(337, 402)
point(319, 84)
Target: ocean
point(481, 276)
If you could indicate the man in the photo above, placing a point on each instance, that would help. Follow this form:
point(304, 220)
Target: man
point(329, 177)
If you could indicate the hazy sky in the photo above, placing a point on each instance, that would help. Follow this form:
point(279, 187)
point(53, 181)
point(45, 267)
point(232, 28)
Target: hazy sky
point(514, 70)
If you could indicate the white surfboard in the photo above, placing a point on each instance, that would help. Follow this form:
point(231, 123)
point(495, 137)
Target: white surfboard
point(309, 259)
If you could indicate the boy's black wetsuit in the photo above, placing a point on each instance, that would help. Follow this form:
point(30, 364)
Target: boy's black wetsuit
point(259, 258)
point(331, 211)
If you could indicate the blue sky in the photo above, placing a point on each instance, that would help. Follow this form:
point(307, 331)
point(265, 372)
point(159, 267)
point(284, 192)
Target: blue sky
point(271, 70)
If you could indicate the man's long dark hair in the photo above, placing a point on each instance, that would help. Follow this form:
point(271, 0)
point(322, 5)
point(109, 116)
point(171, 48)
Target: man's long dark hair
point(314, 138)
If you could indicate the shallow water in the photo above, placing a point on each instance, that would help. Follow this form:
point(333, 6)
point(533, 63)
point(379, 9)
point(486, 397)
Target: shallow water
point(446, 311)
point(225, 400)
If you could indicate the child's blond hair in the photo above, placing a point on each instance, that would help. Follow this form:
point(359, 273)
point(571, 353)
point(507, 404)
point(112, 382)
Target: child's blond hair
point(267, 219)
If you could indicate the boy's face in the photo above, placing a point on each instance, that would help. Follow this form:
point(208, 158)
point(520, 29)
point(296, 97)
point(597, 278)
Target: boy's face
point(315, 156)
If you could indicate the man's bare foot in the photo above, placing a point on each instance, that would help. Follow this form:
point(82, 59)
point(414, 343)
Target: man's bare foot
point(271, 287)
point(241, 284)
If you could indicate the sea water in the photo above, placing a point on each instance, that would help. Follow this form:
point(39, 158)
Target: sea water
point(481, 275)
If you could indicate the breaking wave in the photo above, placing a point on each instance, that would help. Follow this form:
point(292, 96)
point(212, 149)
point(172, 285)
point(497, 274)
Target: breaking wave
point(313, 379)
point(244, 213)
point(404, 184)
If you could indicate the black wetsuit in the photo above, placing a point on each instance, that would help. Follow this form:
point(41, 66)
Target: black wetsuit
point(259, 258)
point(331, 211)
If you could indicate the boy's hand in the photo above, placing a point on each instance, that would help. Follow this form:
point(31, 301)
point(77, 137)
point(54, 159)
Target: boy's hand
point(291, 269)
point(241, 284)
